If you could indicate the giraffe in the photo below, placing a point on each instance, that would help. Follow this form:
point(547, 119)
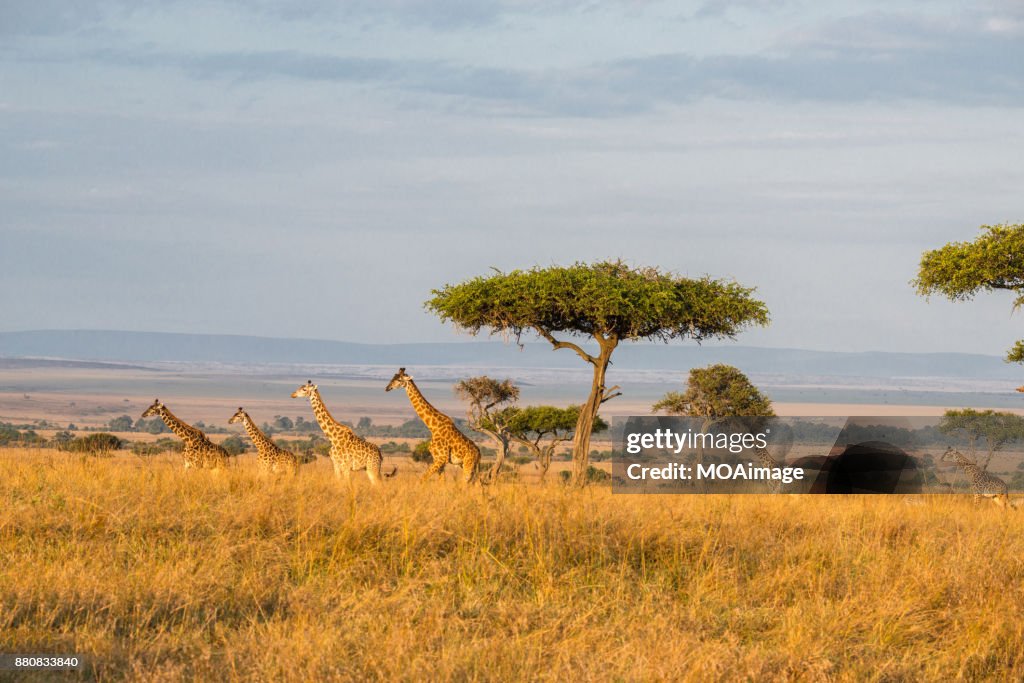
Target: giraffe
point(199, 451)
point(766, 459)
point(985, 485)
point(271, 458)
point(447, 443)
point(349, 452)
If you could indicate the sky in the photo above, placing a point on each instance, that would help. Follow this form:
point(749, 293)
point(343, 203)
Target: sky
point(315, 168)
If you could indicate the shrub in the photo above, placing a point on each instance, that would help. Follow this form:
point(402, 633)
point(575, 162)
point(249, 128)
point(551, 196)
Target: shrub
point(234, 445)
point(422, 452)
point(98, 443)
point(594, 475)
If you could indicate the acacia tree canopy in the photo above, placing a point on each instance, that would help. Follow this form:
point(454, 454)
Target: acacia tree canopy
point(993, 261)
point(606, 299)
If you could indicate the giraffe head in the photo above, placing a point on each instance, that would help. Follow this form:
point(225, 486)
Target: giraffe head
point(399, 380)
point(953, 454)
point(153, 409)
point(304, 390)
point(237, 417)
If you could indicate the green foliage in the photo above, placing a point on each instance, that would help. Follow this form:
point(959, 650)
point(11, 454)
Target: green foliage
point(121, 424)
point(98, 443)
point(410, 429)
point(716, 392)
point(422, 452)
point(234, 445)
point(393, 447)
point(153, 425)
point(307, 449)
point(594, 475)
point(993, 261)
point(164, 445)
point(61, 440)
point(608, 298)
point(283, 423)
point(533, 422)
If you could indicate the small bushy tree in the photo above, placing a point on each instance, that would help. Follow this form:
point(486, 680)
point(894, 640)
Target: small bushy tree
point(486, 397)
point(542, 429)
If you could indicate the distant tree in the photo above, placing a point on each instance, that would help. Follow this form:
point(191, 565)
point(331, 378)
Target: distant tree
point(995, 429)
point(716, 394)
point(121, 424)
point(486, 397)
point(365, 424)
point(61, 440)
point(422, 452)
point(234, 445)
point(606, 302)
point(283, 423)
point(152, 426)
point(541, 429)
point(993, 261)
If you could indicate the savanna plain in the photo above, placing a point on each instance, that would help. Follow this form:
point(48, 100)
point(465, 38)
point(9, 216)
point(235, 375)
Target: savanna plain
point(156, 574)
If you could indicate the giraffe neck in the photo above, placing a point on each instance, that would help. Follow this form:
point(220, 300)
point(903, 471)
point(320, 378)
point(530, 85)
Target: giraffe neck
point(259, 439)
point(765, 457)
point(323, 416)
point(969, 467)
point(182, 430)
point(428, 413)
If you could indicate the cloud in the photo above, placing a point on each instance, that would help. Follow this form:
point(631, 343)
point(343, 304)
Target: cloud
point(46, 17)
point(868, 58)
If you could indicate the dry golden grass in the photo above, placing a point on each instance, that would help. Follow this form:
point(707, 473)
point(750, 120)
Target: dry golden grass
point(158, 575)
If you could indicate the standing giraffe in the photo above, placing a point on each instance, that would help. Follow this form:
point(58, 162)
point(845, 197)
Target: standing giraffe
point(447, 443)
point(349, 452)
point(270, 457)
point(985, 485)
point(766, 459)
point(199, 451)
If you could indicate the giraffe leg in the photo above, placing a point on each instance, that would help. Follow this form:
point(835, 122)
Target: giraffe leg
point(470, 466)
point(437, 467)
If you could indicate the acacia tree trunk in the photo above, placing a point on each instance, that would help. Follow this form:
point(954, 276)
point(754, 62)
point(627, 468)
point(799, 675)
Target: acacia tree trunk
point(585, 423)
point(499, 458)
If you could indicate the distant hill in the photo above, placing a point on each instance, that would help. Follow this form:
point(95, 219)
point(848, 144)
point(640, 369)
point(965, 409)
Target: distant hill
point(136, 347)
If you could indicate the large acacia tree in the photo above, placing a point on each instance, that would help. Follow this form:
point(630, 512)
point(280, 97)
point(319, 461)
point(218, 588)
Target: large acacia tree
point(606, 302)
point(992, 262)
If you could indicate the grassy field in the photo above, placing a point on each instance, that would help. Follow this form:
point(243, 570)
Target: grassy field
point(155, 574)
